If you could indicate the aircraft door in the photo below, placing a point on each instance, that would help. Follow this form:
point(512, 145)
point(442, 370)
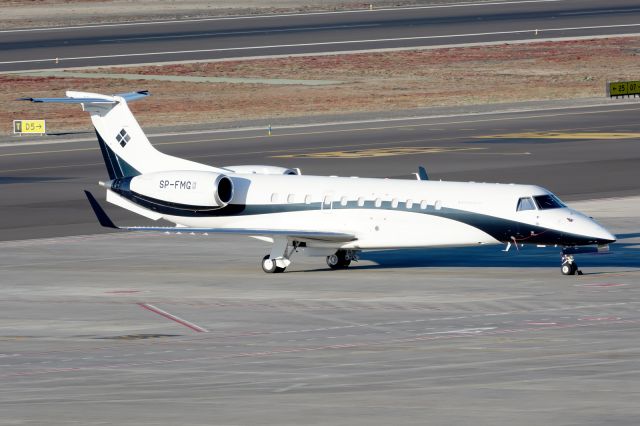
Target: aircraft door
point(528, 217)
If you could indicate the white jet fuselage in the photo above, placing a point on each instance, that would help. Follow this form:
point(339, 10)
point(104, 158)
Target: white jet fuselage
point(382, 213)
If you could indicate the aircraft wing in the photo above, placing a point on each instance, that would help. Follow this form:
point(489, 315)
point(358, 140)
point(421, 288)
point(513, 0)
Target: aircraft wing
point(297, 234)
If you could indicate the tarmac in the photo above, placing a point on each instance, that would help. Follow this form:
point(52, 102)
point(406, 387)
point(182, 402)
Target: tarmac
point(146, 329)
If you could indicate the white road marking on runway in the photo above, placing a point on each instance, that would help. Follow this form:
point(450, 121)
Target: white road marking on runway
point(265, 31)
point(465, 331)
point(288, 388)
point(281, 15)
point(331, 43)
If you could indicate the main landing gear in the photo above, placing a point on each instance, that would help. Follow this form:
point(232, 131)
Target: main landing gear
point(278, 260)
point(270, 266)
point(281, 252)
point(341, 259)
point(569, 266)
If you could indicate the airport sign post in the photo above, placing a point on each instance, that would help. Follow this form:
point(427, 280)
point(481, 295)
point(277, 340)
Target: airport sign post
point(623, 88)
point(21, 127)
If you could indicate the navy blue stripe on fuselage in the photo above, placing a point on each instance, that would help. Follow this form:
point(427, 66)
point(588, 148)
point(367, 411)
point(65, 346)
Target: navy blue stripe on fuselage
point(503, 230)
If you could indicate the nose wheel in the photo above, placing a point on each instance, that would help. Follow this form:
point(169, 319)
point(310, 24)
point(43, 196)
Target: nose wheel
point(569, 266)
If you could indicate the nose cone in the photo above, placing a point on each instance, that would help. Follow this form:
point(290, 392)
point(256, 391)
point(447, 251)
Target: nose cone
point(596, 232)
point(604, 236)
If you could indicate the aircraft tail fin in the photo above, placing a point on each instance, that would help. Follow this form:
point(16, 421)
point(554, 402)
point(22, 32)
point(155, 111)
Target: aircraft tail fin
point(125, 148)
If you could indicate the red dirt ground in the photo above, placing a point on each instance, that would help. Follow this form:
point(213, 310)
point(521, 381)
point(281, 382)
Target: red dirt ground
point(371, 82)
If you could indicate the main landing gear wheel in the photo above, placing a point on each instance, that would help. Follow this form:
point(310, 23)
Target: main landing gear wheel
point(340, 260)
point(269, 266)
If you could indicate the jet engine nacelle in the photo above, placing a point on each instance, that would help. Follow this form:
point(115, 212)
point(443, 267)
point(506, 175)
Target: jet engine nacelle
point(195, 190)
point(263, 170)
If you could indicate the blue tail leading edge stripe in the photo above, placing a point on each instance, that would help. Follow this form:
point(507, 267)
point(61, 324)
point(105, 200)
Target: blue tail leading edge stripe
point(116, 166)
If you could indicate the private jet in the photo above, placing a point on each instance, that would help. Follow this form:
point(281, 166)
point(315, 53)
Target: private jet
point(326, 216)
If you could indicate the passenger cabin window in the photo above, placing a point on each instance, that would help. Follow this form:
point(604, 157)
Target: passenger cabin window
point(423, 205)
point(360, 201)
point(307, 199)
point(343, 201)
point(378, 202)
point(394, 203)
point(291, 198)
point(327, 200)
point(274, 198)
point(546, 202)
point(409, 204)
point(525, 203)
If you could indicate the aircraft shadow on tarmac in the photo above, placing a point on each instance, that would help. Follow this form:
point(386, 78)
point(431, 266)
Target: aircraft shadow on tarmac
point(69, 133)
point(621, 255)
point(627, 236)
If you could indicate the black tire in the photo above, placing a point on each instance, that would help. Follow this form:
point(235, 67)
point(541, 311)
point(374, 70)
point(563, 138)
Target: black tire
point(568, 268)
point(338, 260)
point(269, 266)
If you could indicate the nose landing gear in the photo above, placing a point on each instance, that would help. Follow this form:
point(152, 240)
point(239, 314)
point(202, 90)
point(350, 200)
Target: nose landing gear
point(569, 266)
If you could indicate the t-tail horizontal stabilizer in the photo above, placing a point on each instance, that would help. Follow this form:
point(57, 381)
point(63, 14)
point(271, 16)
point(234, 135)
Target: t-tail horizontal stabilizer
point(90, 98)
point(125, 148)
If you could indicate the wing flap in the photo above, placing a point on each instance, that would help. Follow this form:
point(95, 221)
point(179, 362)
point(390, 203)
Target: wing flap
point(302, 235)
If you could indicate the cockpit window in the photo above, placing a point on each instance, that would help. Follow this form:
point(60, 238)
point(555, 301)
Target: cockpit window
point(525, 203)
point(546, 202)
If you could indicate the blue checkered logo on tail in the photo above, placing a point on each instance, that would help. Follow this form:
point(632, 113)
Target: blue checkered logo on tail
point(123, 138)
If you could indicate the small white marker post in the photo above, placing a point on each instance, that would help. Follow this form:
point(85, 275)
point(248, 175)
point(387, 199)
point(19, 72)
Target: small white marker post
point(370, 6)
point(536, 31)
point(269, 129)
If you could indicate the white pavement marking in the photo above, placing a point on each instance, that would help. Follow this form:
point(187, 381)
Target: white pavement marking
point(288, 388)
point(344, 42)
point(265, 31)
point(281, 15)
